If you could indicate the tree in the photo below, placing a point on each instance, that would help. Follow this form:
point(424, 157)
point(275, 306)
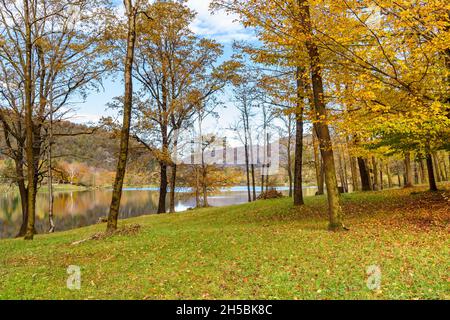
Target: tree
point(288, 132)
point(320, 126)
point(246, 96)
point(293, 27)
point(178, 72)
point(131, 12)
point(49, 49)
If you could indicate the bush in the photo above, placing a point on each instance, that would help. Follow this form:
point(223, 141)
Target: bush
point(270, 194)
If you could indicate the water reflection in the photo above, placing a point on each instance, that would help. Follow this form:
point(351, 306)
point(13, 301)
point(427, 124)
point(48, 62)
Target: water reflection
point(83, 208)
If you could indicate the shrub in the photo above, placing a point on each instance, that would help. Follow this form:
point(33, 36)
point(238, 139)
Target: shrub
point(270, 194)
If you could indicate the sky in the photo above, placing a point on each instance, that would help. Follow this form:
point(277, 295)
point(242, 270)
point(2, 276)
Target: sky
point(218, 26)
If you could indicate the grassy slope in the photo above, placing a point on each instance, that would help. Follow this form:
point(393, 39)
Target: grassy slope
point(266, 249)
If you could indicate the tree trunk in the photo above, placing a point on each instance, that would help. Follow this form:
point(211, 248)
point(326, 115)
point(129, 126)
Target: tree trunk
point(298, 165)
point(416, 173)
point(422, 170)
point(320, 125)
point(289, 159)
point(376, 185)
point(197, 188)
point(408, 171)
point(50, 193)
point(445, 169)
point(341, 171)
point(173, 184)
point(318, 165)
point(23, 192)
point(365, 178)
point(262, 178)
point(162, 187)
point(431, 178)
point(290, 177)
point(388, 173)
point(345, 170)
point(205, 187)
point(247, 171)
point(353, 168)
point(127, 109)
point(50, 172)
point(381, 175)
point(253, 181)
point(436, 167)
point(29, 148)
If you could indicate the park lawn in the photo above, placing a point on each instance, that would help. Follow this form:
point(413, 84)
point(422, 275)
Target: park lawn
point(262, 250)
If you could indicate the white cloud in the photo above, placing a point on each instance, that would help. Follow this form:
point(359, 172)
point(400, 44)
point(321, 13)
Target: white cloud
point(82, 118)
point(219, 26)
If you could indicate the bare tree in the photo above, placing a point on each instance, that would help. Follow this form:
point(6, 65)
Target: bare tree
point(45, 46)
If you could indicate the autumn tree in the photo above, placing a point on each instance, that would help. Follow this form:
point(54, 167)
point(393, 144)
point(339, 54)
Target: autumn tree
point(288, 24)
point(177, 72)
point(132, 11)
point(45, 47)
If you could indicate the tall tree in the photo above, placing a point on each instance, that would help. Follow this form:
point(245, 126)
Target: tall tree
point(131, 11)
point(320, 126)
point(298, 165)
point(178, 72)
point(50, 48)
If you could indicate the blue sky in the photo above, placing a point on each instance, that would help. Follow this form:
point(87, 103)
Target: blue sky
point(220, 26)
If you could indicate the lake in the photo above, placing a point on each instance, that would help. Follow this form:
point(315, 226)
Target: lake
point(74, 209)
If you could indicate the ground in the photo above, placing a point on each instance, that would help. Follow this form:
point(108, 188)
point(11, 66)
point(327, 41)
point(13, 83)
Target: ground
point(263, 250)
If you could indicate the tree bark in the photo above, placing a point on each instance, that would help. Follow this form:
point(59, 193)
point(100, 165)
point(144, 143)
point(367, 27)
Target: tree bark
point(289, 159)
point(431, 177)
point(205, 187)
point(341, 171)
point(318, 165)
point(262, 178)
point(376, 185)
point(416, 173)
point(253, 181)
point(23, 197)
point(162, 188)
point(30, 129)
point(408, 171)
point(197, 187)
point(445, 169)
point(50, 187)
point(365, 178)
point(353, 167)
point(127, 109)
point(320, 125)
point(422, 171)
point(298, 165)
point(247, 169)
point(173, 184)
point(388, 173)
point(381, 175)
point(436, 167)
point(50, 168)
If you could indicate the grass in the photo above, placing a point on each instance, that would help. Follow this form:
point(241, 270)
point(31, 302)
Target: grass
point(44, 188)
point(263, 250)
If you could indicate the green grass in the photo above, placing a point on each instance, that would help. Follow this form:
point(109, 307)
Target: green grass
point(44, 188)
point(263, 250)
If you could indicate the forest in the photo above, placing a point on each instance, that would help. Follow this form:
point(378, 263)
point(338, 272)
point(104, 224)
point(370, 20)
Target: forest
point(328, 124)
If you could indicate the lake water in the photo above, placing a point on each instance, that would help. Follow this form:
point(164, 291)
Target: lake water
point(74, 209)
